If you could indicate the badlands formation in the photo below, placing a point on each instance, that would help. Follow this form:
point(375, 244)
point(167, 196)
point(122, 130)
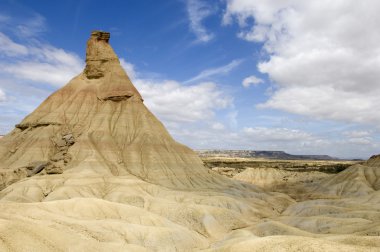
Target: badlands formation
point(92, 169)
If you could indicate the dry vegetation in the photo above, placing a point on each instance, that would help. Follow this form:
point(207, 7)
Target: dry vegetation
point(237, 165)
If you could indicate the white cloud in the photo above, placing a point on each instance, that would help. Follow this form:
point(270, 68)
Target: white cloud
point(172, 101)
point(360, 137)
point(176, 103)
point(251, 80)
point(10, 48)
point(357, 133)
point(31, 26)
point(188, 111)
point(129, 68)
point(23, 23)
point(324, 56)
point(2, 96)
point(198, 11)
point(325, 102)
point(232, 118)
point(361, 141)
point(44, 72)
point(40, 63)
point(222, 70)
point(218, 126)
point(276, 134)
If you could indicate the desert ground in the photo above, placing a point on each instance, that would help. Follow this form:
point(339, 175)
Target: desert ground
point(291, 177)
point(92, 169)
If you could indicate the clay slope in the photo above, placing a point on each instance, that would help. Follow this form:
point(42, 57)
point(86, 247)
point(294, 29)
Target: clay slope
point(356, 181)
point(342, 207)
point(274, 179)
point(374, 161)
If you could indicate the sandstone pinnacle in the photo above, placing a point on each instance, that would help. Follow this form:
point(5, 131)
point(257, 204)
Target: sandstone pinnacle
point(98, 123)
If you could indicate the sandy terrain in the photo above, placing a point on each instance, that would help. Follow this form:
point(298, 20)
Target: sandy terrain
point(92, 169)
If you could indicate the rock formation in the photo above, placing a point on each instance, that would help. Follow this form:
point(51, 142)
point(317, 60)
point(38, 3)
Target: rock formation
point(92, 169)
point(98, 123)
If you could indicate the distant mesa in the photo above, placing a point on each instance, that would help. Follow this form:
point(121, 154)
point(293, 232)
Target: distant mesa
point(261, 154)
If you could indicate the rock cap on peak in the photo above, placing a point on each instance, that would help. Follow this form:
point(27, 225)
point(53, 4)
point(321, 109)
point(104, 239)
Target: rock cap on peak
point(101, 35)
point(98, 48)
point(102, 64)
point(98, 54)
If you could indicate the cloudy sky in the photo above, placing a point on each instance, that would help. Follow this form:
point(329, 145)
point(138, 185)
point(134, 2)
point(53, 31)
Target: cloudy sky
point(293, 75)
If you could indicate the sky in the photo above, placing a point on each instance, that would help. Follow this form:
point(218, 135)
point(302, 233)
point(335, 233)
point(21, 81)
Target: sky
point(291, 75)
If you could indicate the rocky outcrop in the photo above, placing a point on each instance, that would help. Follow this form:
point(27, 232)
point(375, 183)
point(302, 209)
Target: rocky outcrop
point(24, 126)
point(36, 167)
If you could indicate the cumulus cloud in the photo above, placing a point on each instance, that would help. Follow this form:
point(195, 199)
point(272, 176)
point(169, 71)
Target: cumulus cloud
point(129, 68)
point(218, 126)
point(357, 133)
point(324, 56)
point(197, 11)
point(360, 137)
point(192, 103)
point(251, 80)
point(276, 134)
point(24, 56)
point(41, 63)
point(361, 141)
point(325, 102)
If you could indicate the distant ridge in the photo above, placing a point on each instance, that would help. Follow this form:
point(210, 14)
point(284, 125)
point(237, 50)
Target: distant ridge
point(261, 154)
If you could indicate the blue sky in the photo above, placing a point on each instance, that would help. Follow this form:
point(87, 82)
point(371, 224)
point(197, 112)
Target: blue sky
point(298, 76)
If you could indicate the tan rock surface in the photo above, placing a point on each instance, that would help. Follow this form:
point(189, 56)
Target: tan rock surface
point(91, 169)
point(273, 179)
